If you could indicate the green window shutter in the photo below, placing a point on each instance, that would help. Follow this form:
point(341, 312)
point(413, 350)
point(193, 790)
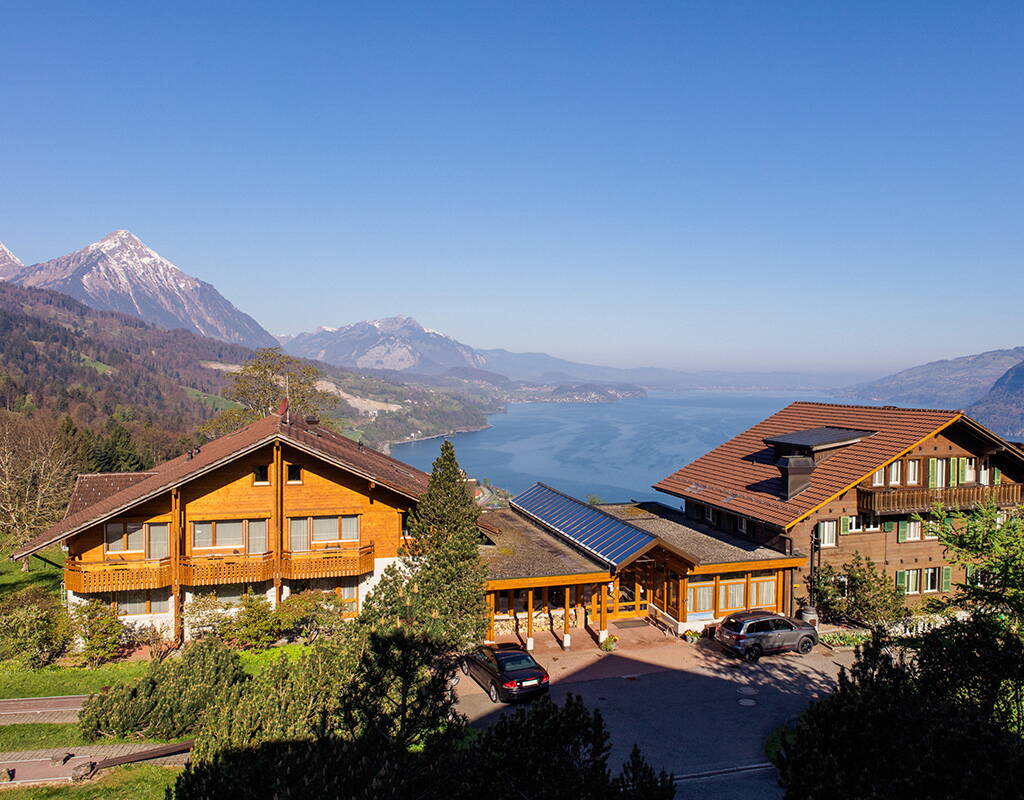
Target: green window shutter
point(901, 580)
point(963, 470)
point(888, 526)
point(953, 473)
point(947, 578)
point(844, 525)
point(997, 476)
point(933, 469)
point(901, 531)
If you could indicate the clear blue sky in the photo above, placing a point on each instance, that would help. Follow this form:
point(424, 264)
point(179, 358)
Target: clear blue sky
point(733, 185)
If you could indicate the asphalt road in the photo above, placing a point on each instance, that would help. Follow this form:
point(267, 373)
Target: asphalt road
point(714, 715)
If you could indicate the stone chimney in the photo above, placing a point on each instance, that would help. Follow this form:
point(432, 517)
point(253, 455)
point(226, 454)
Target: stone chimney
point(796, 474)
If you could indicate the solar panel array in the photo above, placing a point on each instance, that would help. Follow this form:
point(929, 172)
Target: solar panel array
point(611, 539)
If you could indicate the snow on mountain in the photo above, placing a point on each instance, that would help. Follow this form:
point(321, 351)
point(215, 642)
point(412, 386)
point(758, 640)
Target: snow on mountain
point(120, 273)
point(9, 263)
point(398, 343)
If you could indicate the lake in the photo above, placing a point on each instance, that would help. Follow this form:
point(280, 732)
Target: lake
point(612, 450)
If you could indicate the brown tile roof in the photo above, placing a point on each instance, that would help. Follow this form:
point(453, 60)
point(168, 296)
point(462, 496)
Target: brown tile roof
point(740, 475)
point(314, 439)
point(701, 544)
point(523, 549)
point(92, 487)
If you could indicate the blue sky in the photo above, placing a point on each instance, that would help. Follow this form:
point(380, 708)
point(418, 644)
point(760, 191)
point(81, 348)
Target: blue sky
point(724, 185)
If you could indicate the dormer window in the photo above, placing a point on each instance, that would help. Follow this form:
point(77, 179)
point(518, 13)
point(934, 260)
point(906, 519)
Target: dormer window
point(878, 479)
point(894, 473)
point(261, 475)
point(294, 473)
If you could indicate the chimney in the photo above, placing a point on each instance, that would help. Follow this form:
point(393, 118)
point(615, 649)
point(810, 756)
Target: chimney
point(796, 474)
point(312, 419)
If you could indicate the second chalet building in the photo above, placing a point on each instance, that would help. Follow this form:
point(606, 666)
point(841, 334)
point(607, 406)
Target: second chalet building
point(285, 505)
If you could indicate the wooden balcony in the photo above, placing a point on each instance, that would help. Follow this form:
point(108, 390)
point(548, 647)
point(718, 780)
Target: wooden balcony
point(121, 576)
point(328, 563)
point(894, 500)
point(210, 570)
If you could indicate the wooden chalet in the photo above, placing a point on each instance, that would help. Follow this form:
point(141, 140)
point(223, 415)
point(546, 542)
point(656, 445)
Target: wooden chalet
point(279, 506)
point(829, 480)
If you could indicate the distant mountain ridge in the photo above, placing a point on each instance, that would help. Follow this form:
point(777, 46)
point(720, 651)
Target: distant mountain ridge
point(402, 344)
point(1002, 408)
point(120, 273)
point(949, 383)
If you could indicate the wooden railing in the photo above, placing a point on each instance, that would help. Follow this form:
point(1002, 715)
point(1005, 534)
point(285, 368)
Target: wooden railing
point(884, 501)
point(209, 570)
point(117, 577)
point(328, 563)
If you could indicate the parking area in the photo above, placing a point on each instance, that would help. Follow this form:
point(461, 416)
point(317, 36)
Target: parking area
point(691, 708)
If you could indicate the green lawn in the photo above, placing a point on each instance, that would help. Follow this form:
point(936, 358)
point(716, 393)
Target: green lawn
point(44, 735)
point(136, 782)
point(216, 402)
point(40, 574)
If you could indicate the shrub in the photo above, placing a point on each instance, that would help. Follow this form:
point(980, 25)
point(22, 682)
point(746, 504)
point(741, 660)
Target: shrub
point(101, 634)
point(859, 592)
point(35, 628)
point(169, 700)
point(309, 615)
point(252, 625)
point(205, 615)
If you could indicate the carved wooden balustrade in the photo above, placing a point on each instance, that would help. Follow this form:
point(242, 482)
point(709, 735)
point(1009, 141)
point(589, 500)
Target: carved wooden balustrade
point(328, 563)
point(119, 576)
point(897, 500)
point(211, 570)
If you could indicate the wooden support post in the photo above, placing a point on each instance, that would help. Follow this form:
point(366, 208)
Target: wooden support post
point(637, 594)
point(176, 547)
point(490, 616)
point(602, 633)
point(746, 592)
point(714, 600)
point(277, 535)
point(529, 619)
point(684, 599)
point(566, 639)
point(615, 599)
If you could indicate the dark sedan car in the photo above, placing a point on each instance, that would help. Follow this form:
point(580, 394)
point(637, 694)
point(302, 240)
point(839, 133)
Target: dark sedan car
point(751, 634)
point(505, 671)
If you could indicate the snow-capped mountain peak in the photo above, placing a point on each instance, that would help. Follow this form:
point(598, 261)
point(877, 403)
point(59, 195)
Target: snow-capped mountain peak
point(9, 263)
point(120, 273)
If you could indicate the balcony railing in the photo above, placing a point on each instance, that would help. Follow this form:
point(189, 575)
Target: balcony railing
point(328, 563)
point(893, 500)
point(209, 570)
point(117, 576)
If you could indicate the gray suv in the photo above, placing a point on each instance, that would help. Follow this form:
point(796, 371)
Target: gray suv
point(751, 634)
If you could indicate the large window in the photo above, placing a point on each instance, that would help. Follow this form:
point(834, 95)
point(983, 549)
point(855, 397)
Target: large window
point(909, 581)
point(764, 592)
point(136, 602)
point(124, 537)
point(827, 533)
point(937, 476)
point(700, 598)
point(970, 471)
point(894, 473)
point(732, 595)
point(931, 579)
point(230, 533)
point(913, 472)
point(303, 531)
point(158, 540)
point(878, 479)
point(913, 530)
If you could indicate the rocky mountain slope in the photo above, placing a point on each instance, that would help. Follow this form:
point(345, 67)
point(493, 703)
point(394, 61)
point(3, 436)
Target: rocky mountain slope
point(1002, 409)
point(120, 273)
point(9, 263)
point(950, 383)
point(395, 343)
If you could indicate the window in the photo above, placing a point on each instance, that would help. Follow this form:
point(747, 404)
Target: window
point(298, 535)
point(894, 473)
point(257, 536)
point(781, 625)
point(983, 473)
point(827, 533)
point(878, 479)
point(124, 537)
point(765, 591)
point(931, 579)
point(913, 581)
point(350, 527)
point(700, 597)
point(969, 471)
point(931, 530)
point(857, 522)
point(913, 472)
point(709, 513)
point(136, 602)
point(131, 603)
point(731, 595)
point(913, 530)
point(741, 524)
point(294, 473)
point(325, 529)
point(220, 533)
point(157, 540)
point(230, 592)
point(937, 477)
point(261, 474)
point(761, 626)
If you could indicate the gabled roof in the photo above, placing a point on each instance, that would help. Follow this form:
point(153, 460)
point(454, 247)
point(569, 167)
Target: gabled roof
point(313, 439)
point(596, 532)
point(92, 487)
point(741, 475)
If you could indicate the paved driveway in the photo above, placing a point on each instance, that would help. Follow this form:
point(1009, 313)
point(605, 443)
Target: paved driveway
point(691, 709)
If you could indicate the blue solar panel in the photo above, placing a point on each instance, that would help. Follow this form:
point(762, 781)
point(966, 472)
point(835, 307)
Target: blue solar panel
point(611, 539)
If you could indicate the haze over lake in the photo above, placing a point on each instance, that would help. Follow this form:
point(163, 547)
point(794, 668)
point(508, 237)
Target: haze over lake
point(612, 450)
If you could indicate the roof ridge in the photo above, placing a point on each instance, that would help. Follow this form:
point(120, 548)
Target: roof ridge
point(874, 407)
point(137, 472)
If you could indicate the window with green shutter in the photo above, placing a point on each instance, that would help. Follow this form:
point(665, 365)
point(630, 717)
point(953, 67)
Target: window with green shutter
point(901, 580)
point(997, 476)
point(954, 473)
point(947, 578)
point(844, 526)
point(963, 470)
point(933, 472)
point(901, 531)
point(888, 526)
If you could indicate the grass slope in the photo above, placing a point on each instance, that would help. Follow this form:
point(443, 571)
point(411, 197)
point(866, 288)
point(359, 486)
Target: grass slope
point(135, 782)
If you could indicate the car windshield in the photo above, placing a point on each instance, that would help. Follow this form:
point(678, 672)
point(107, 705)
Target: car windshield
point(514, 661)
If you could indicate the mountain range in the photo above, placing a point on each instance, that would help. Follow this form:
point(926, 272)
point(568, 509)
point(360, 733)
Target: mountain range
point(120, 273)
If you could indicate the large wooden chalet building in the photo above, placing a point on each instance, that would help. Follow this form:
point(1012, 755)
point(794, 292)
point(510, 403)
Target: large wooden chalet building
point(285, 505)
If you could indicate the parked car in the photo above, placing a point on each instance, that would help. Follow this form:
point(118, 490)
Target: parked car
point(751, 634)
point(505, 671)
